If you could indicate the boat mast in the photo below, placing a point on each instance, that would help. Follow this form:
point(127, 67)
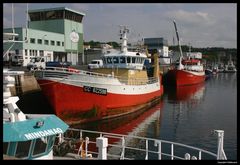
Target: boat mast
point(27, 22)
point(13, 34)
point(13, 30)
point(179, 45)
point(230, 62)
point(123, 36)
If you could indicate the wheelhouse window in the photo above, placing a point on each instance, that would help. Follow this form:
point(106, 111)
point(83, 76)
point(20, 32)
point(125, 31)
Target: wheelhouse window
point(128, 59)
point(5, 147)
point(40, 146)
point(109, 60)
point(140, 60)
point(133, 60)
point(51, 141)
point(137, 60)
point(115, 60)
point(104, 60)
point(122, 60)
point(23, 148)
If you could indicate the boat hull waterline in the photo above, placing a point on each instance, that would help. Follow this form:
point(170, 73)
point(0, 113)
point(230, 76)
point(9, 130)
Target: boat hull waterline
point(184, 77)
point(78, 104)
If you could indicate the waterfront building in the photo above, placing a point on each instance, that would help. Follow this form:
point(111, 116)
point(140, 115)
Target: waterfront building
point(159, 45)
point(54, 32)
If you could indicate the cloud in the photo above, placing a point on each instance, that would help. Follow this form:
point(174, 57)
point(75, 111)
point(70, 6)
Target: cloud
point(190, 18)
point(7, 8)
point(81, 7)
point(7, 23)
point(202, 24)
point(19, 15)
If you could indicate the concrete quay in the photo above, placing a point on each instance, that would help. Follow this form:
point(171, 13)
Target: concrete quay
point(27, 82)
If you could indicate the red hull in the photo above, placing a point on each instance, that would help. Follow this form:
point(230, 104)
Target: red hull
point(74, 105)
point(185, 93)
point(124, 125)
point(182, 77)
point(129, 125)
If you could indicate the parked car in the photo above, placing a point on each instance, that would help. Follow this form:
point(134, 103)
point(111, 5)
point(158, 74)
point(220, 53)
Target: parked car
point(41, 63)
point(58, 64)
point(36, 63)
point(95, 64)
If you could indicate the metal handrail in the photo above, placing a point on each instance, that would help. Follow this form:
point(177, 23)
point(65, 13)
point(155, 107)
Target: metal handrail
point(65, 72)
point(157, 143)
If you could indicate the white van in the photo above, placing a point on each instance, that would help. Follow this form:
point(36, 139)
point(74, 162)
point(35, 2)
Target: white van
point(95, 64)
point(36, 62)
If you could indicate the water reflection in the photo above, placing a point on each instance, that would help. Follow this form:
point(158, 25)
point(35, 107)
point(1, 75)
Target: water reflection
point(131, 124)
point(191, 95)
point(183, 101)
point(229, 79)
point(139, 123)
point(186, 115)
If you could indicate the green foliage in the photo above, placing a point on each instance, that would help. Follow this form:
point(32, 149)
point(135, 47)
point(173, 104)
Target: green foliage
point(114, 44)
point(93, 44)
point(97, 44)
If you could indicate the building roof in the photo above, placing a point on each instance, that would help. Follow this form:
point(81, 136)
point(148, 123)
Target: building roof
point(58, 8)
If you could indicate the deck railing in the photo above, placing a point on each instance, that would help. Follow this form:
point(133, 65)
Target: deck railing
point(64, 73)
point(104, 145)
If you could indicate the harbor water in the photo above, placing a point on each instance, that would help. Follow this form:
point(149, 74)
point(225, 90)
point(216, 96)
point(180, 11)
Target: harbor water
point(187, 115)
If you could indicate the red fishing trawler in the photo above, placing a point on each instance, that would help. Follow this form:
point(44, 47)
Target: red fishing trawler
point(187, 71)
point(119, 87)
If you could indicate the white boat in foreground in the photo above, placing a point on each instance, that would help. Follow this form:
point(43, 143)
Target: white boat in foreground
point(26, 136)
point(100, 145)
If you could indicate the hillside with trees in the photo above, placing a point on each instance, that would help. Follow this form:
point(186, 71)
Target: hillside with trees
point(211, 54)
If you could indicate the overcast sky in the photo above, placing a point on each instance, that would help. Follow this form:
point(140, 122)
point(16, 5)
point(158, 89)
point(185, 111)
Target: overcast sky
point(201, 24)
